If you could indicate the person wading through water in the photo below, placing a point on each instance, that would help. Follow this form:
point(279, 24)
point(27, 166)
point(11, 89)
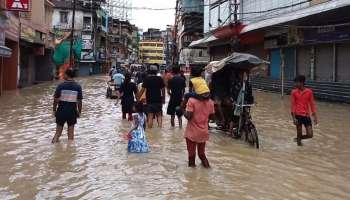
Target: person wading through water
point(67, 105)
point(176, 90)
point(302, 102)
point(154, 87)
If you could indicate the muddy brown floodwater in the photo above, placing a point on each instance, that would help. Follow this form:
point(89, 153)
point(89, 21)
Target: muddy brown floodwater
point(97, 166)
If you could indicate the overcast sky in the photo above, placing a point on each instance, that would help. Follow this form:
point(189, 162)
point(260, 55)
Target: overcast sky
point(153, 19)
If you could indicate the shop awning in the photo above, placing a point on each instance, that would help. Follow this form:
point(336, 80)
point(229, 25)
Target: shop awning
point(198, 43)
point(204, 41)
point(5, 51)
point(220, 34)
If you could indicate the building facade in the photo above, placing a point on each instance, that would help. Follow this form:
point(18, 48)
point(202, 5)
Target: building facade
point(297, 37)
point(120, 45)
point(152, 34)
point(152, 52)
point(5, 54)
point(26, 34)
point(168, 39)
point(90, 26)
point(189, 28)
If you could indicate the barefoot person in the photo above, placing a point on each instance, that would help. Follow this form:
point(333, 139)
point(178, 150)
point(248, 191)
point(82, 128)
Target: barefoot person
point(196, 134)
point(67, 105)
point(154, 87)
point(302, 102)
point(176, 90)
point(118, 79)
point(129, 91)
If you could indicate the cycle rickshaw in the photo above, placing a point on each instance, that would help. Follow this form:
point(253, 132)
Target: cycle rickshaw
point(235, 69)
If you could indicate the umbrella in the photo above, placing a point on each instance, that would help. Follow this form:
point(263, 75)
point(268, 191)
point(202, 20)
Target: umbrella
point(210, 66)
point(241, 61)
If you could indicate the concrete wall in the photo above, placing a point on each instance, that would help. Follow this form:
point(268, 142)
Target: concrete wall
point(248, 6)
point(79, 15)
point(48, 14)
point(38, 17)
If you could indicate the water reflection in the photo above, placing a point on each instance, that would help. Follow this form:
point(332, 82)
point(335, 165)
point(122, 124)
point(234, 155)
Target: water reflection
point(96, 165)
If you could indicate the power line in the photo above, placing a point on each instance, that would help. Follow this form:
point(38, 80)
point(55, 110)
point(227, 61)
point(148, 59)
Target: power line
point(206, 5)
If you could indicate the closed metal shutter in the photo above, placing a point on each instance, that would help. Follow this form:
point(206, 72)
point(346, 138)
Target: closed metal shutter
point(324, 62)
point(275, 64)
point(289, 71)
point(343, 61)
point(304, 61)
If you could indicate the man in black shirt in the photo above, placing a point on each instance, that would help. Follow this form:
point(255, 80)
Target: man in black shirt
point(155, 91)
point(176, 90)
point(68, 97)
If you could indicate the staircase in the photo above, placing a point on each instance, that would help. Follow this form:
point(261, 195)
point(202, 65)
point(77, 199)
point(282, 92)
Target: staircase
point(328, 91)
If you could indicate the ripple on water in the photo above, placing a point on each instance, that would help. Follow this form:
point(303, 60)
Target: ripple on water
point(97, 166)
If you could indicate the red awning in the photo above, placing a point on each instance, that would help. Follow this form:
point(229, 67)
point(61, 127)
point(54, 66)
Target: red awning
point(228, 31)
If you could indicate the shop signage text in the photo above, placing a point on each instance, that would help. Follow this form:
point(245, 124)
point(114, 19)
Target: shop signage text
point(18, 5)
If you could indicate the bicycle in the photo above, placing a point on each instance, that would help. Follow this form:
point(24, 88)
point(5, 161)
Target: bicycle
point(246, 126)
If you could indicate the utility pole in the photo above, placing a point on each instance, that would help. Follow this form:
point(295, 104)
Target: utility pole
point(72, 36)
point(235, 39)
point(167, 46)
point(175, 33)
point(235, 14)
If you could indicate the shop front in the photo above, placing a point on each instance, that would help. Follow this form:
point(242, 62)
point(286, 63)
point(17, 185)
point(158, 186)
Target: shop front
point(9, 41)
point(5, 52)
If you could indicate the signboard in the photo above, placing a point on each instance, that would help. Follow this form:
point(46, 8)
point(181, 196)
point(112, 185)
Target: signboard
point(2, 38)
point(86, 55)
point(87, 44)
point(18, 5)
point(27, 33)
point(12, 27)
point(86, 37)
point(326, 34)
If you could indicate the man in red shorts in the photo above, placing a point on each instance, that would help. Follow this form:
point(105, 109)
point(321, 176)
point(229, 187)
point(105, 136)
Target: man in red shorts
point(302, 103)
point(196, 134)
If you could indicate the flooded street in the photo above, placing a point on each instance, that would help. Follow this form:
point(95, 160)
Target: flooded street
point(97, 166)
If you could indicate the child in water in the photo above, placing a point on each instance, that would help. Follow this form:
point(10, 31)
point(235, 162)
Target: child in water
point(137, 135)
point(198, 87)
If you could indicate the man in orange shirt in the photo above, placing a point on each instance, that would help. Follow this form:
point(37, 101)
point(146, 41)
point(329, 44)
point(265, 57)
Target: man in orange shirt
point(302, 103)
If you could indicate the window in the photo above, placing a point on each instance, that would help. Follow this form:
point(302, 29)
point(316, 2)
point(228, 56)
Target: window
point(87, 22)
point(64, 17)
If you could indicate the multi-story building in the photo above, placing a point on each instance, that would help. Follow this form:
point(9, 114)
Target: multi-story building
point(134, 57)
point(120, 45)
point(90, 26)
point(152, 34)
point(189, 26)
point(26, 34)
point(8, 52)
point(297, 37)
point(152, 52)
point(167, 36)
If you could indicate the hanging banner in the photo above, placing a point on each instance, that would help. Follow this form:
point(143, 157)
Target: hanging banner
point(18, 5)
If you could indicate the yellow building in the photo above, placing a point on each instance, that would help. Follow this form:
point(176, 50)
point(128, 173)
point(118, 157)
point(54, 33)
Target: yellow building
point(152, 52)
